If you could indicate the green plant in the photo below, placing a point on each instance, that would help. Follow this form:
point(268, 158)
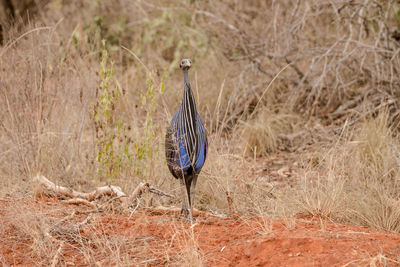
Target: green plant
point(146, 146)
point(112, 142)
point(175, 35)
point(102, 26)
point(397, 17)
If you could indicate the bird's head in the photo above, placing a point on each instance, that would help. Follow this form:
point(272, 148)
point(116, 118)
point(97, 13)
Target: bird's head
point(185, 64)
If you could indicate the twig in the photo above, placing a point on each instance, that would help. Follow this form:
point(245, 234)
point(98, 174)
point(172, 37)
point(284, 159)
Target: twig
point(266, 89)
point(230, 202)
point(133, 211)
point(159, 192)
point(110, 200)
point(85, 221)
point(145, 187)
point(137, 58)
point(66, 218)
point(139, 190)
point(79, 201)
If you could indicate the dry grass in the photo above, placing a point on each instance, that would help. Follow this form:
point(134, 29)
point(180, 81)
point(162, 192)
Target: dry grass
point(362, 184)
point(269, 132)
point(322, 196)
point(58, 233)
point(374, 174)
point(265, 227)
point(378, 260)
point(189, 252)
point(338, 100)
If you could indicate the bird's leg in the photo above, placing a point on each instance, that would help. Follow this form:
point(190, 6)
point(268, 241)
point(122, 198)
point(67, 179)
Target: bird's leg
point(192, 191)
point(188, 182)
point(184, 198)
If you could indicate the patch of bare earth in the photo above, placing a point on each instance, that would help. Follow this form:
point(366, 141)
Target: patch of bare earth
point(151, 237)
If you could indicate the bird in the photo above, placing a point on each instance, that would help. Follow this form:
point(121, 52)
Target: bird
point(186, 144)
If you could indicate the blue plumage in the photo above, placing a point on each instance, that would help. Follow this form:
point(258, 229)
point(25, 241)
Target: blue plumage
point(180, 158)
point(202, 145)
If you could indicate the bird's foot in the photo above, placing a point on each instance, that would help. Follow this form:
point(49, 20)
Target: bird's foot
point(188, 217)
point(190, 220)
point(185, 212)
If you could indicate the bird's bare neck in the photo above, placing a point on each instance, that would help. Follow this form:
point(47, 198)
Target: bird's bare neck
point(188, 98)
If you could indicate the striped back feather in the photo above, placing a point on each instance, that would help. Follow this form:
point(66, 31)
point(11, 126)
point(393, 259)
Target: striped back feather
point(186, 139)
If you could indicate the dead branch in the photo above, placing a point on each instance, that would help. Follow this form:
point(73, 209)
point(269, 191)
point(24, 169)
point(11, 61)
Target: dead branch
point(139, 190)
point(146, 187)
point(143, 188)
point(133, 211)
point(79, 201)
point(62, 191)
point(66, 218)
point(71, 196)
point(159, 192)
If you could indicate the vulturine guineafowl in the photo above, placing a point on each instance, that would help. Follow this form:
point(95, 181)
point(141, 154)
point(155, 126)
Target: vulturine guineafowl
point(186, 144)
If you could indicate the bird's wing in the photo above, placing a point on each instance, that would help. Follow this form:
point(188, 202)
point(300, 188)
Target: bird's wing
point(202, 145)
point(172, 148)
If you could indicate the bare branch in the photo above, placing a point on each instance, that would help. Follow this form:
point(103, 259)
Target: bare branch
point(71, 196)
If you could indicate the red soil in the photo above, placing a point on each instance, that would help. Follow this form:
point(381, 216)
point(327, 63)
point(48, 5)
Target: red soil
point(155, 240)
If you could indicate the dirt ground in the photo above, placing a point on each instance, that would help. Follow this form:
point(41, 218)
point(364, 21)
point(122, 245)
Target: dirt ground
point(158, 238)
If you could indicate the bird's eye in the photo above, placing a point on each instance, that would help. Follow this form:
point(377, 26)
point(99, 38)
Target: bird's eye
point(183, 62)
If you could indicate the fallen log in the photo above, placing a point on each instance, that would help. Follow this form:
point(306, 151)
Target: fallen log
point(62, 191)
point(71, 196)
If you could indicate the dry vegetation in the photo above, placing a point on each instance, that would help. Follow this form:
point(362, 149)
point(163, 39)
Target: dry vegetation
point(301, 100)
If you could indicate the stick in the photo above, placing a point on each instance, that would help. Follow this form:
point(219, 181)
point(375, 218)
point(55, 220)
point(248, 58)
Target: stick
point(71, 196)
point(143, 188)
point(79, 201)
point(62, 191)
